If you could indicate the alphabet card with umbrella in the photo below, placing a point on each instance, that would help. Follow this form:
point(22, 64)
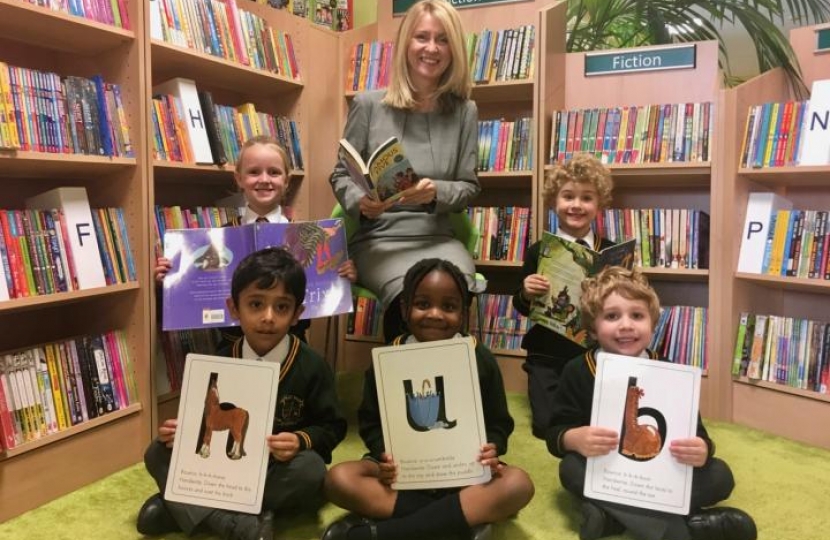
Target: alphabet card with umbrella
point(430, 405)
point(649, 403)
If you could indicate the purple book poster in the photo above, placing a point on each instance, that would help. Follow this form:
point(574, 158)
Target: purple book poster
point(203, 261)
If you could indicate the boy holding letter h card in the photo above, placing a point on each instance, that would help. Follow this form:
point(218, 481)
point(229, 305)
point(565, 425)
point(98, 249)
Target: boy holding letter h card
point(444, 433)
point(267, 293)
point(620, 310)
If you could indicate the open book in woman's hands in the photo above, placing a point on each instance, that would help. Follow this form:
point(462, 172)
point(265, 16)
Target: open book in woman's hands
point(385, 175)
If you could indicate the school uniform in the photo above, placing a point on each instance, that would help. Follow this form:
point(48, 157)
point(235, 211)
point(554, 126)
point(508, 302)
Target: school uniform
point(547, 351)
point(572, 402)
point(307, 406)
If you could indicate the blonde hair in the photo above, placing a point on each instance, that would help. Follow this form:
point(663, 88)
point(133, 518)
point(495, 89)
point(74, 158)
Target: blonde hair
point(581, 169)
point(455, 84)
point(266, 140)
point(630, 284)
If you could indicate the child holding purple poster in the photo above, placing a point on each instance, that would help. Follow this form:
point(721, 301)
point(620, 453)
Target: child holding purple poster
point(262, 176)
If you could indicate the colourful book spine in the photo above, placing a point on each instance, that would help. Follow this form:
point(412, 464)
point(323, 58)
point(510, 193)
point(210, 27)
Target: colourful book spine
point(782, 225)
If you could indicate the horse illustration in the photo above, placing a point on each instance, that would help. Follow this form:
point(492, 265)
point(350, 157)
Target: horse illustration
point(640, 442)
point(220, 416)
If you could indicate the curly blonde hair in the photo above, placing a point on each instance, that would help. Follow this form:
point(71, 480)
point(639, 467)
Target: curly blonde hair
point(582, 169)
point(630, 284)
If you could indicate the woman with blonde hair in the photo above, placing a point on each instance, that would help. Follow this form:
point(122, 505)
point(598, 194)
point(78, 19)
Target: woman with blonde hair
point(428, 108)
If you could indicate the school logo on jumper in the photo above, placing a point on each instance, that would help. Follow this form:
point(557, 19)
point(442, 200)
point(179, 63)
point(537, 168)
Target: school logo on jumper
point(218, 416)
point(290, 410)
point(426, 410)
point(640, 442)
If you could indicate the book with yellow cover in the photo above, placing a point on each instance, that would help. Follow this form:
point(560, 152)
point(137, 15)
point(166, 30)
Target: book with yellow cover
point(385, 175)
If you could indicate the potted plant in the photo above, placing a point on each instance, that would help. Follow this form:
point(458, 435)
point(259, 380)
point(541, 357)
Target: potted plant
point(602, 24)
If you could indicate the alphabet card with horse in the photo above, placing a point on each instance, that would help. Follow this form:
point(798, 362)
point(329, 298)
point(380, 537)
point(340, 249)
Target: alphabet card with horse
point(649, 403)
point(430, 410)
point(226, 410)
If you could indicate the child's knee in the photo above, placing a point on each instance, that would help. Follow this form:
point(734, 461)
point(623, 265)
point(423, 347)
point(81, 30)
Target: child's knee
point(157, 459)
point(519, 487)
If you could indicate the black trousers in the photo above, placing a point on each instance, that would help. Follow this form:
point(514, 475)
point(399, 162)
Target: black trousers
point(543, 373)
point(711, 484)
point(290, 486)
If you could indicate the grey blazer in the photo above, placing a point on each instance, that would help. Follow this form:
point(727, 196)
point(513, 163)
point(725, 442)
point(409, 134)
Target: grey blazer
point(442, 147)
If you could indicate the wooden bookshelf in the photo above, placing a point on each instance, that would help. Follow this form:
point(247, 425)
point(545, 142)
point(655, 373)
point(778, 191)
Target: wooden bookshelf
point(40, 38)
point(780, 409)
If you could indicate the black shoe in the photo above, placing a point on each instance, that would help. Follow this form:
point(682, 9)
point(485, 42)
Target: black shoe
point(482, 532)
point(722, 523)
point(597, 523)
point(154, 518)
point(339, 529)
point(266, 526)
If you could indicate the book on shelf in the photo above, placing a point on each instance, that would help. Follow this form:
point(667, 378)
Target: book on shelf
point(74, 114)
point(231, 33)
point(194, 119)
point(815, 141)
point(637, 134)
point(631, 397)
point(212, 127)
point(72, 205)
point(680, 335)
point(796, 244)
point(566, 264)
point(789, 351)
point(760, 208)
point(205, 259)
point(430, 410)
point(51, 387)
point(226, 410)
point(496, 323)
point(385, 175)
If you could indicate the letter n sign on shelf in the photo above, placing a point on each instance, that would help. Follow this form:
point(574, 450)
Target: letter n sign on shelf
point(641, 59)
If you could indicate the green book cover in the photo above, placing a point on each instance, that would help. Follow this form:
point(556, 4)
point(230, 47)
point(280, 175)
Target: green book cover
point(566, 264)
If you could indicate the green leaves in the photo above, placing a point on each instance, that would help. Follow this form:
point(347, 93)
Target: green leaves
point(608, 24)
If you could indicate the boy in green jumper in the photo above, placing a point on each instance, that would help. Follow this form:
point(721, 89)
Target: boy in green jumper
point(267, 293)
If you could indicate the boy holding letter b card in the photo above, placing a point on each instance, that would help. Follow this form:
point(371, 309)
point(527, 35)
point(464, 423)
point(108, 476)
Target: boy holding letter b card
point(633, 447)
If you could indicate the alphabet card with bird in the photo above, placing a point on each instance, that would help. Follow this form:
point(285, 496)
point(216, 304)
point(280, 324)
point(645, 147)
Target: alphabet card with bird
point(649, 403)
point(226, 410)
point(430, 409)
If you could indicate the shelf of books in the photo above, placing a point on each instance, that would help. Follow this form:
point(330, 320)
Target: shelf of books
point(73, 280)
point(234, 88)
point(656, 130)
point(775, 310)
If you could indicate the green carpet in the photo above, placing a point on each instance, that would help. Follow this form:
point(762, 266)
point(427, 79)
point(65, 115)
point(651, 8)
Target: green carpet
point(784, 485)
